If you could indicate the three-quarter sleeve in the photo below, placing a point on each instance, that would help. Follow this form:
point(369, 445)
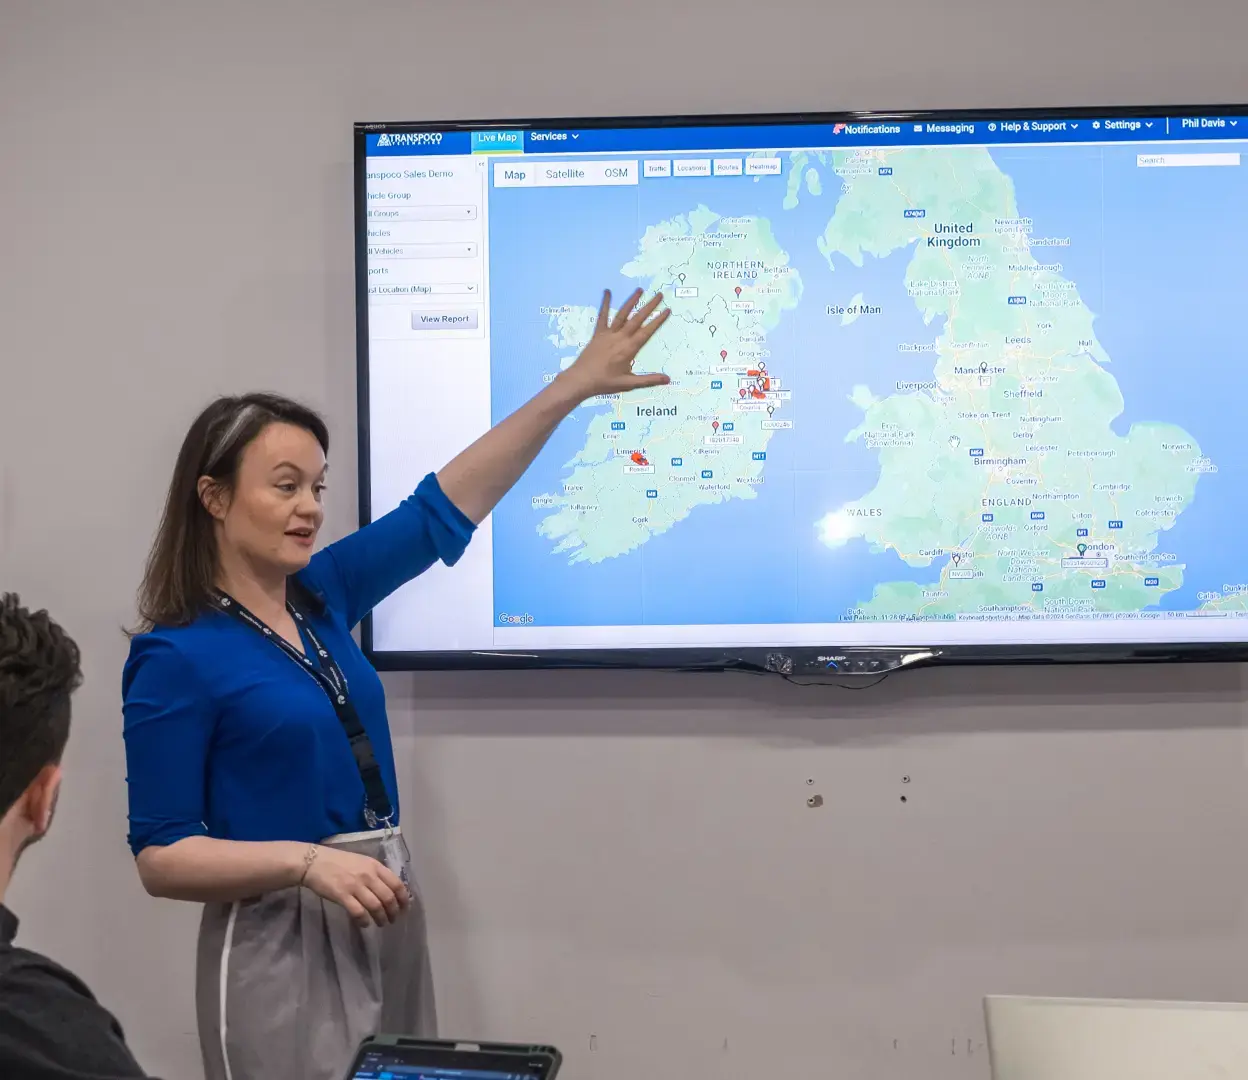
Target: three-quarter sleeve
point(168, 726)
point(362, 569)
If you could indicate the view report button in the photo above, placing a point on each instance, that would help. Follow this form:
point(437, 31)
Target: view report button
point(464, 319)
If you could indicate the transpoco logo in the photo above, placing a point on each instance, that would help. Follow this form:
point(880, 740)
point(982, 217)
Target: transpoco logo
point(410, 138)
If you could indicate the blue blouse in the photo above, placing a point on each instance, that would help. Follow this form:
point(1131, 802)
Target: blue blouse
point(226, 737)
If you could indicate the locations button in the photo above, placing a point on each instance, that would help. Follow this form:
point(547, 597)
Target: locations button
point(428, 319)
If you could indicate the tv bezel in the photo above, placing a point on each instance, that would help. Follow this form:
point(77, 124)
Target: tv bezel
point(805, 660)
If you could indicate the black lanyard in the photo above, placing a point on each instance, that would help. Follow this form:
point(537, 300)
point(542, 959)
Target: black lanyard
point(329, 677)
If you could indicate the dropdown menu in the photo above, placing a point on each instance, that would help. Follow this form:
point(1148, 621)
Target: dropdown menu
point(422, 213)
point(436, 288)
point(456, 288)
point(458, 250)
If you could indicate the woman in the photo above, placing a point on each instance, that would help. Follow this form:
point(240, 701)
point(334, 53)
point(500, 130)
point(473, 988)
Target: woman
point(260, 767)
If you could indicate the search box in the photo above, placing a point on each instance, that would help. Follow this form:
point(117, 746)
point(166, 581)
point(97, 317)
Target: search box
point(1164, 161)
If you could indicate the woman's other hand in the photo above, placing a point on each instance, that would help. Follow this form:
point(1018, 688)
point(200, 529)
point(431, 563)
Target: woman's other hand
point(368, 890)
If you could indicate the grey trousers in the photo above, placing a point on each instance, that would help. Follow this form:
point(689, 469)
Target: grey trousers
point(287, 985)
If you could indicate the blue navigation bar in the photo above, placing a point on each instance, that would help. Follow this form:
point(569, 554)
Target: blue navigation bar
point(873, 131)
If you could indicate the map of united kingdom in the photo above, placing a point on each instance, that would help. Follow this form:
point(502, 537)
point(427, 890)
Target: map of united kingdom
point(1003, 468)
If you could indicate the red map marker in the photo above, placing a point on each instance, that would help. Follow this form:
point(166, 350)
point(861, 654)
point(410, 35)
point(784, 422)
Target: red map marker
point(723, 354)
point(741, 391)
point(738, 290)
point(714, 425)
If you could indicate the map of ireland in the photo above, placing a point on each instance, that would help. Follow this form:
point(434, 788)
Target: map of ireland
point(651, 458)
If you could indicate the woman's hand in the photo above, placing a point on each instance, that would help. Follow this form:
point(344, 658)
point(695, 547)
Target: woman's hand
point(481, 475)
point(368, 890)
point(605, 365)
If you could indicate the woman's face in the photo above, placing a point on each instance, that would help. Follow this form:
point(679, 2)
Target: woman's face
point(272, 515)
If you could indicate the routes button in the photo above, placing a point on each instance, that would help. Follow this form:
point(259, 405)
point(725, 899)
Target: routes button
point(430, 319)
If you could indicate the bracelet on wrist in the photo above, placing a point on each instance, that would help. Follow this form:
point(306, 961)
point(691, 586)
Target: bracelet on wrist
point(309, 857)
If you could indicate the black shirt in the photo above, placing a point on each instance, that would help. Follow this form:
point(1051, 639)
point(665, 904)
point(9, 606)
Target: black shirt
point(51, 1027)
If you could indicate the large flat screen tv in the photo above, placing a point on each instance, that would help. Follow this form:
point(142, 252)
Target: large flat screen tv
point(968, 385)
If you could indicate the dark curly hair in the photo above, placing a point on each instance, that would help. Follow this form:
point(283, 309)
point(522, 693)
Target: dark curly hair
point(39, 670)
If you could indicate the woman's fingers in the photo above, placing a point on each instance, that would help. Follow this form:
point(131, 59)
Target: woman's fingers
point(357, 912)
point(389, 888)
point(374, 906)
point(646, 330)
point(389, 899)
point(626, 309)
point(638, 320)
point(390, 880)
point(640, 382)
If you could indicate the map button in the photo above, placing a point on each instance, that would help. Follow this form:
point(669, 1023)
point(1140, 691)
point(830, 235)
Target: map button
point(762, 166)
point(727, 166)
point(657, 168)
point(428, 319)
point(519, 174)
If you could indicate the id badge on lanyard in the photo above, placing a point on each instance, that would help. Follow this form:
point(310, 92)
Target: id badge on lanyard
point(395, 857)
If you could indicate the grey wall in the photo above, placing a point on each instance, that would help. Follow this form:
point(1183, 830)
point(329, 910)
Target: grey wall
point(625, 865)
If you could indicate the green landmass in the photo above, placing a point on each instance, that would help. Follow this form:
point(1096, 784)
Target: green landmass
point(1002, 468)
point(727, 282)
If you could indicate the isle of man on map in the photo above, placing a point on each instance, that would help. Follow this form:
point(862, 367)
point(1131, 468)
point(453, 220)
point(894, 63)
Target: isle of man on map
point(655, 455)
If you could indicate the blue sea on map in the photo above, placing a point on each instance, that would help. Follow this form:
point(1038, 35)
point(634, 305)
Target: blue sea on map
point(1156, 254)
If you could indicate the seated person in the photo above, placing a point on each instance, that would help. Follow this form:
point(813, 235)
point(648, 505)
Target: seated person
point(51, 1027)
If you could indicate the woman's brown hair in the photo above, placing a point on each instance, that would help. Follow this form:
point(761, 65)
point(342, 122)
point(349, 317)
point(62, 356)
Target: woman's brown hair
point(182, 564)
